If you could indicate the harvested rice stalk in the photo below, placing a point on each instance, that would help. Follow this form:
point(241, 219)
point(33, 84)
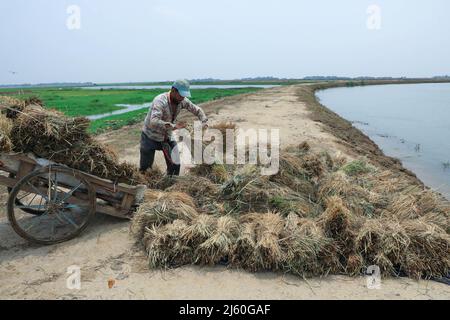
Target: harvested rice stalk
point(11, 107)
point(300, 148)
point(220, 245)
point(410, 246)
point(369, 239)
point(337, 222)
point(217, 173)
point(414, 204)
point(244, 251)
point(165, 247)
point(338, 184)
point(428, 253)
point(153, 178)
point(199, 230)
point(5, 143)
point(167, 207)
point(388, 182)
point(5, 131)
point(441, 219)
point(286, 202)
point(355, 264)
point(6, 124)
point(305, 245)
point(313, 166)
point(248, 191)
point(383, 242)
point(292, 175)
point(269, 254)
point(202, 190)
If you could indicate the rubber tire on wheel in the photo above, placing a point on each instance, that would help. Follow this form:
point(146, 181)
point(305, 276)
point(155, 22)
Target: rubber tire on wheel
point(12, 197)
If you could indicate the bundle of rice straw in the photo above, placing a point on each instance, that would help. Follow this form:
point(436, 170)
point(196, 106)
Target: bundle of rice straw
point(203, 191)
point(200, 229)
point(217, 173)
point(11, 107)
point(413, 247)
point(248, 191)
point(245, 248)
point(292, 175)
point(413, 205)
point(267, 251)
point(337, 223)
point(305, 245)
point(5, 133)
point(219, 246)
point(165, 246)
point(161, 208)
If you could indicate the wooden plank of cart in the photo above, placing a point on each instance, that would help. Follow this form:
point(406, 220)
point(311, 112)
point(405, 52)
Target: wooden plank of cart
point(50, 203)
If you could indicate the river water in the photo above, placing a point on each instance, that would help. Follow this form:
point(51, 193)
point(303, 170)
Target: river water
point(409, 122)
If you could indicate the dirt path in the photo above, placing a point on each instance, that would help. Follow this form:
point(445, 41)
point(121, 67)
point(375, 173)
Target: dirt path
point(106, 251)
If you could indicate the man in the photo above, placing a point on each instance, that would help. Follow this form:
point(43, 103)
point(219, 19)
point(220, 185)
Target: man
point(160, 122)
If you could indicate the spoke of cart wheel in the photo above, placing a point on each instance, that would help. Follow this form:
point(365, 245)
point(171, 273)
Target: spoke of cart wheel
point(69, 194)
point(69, 220)
point(37, 191)
point(28, 193)
point(71, 206)
point(51, 186)
point(33, 223)
point(55, 185)
point(32, 199)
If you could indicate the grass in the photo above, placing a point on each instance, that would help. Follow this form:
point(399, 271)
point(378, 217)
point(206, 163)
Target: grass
point(356, 167)
point(81, 102)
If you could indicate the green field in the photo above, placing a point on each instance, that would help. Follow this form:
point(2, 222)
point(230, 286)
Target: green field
point(81, 102)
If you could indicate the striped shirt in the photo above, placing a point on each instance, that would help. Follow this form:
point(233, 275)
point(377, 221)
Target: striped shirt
point(160, 114)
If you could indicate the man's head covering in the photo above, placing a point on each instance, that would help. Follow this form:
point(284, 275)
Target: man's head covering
point(183, 87)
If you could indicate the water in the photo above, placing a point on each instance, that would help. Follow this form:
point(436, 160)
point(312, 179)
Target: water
point(409, 122)
point(126, 108)
point(208, 86)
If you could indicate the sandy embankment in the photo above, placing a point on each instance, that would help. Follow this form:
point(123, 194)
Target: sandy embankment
point(105, 250)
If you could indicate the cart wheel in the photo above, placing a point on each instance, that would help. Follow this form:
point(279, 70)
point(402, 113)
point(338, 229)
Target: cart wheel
point(65, 209)
point(27, 197)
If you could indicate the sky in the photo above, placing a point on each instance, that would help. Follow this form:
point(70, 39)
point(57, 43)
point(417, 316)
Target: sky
point(43, 41)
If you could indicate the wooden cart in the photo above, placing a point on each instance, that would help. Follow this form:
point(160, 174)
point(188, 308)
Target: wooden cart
point(50, 203)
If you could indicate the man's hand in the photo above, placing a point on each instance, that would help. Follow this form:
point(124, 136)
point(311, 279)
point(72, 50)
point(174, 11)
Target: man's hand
point(204, 126)
point(180, 125)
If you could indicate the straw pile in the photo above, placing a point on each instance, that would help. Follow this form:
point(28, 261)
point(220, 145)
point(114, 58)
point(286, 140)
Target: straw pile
point(318, 215)
point(25, 126)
